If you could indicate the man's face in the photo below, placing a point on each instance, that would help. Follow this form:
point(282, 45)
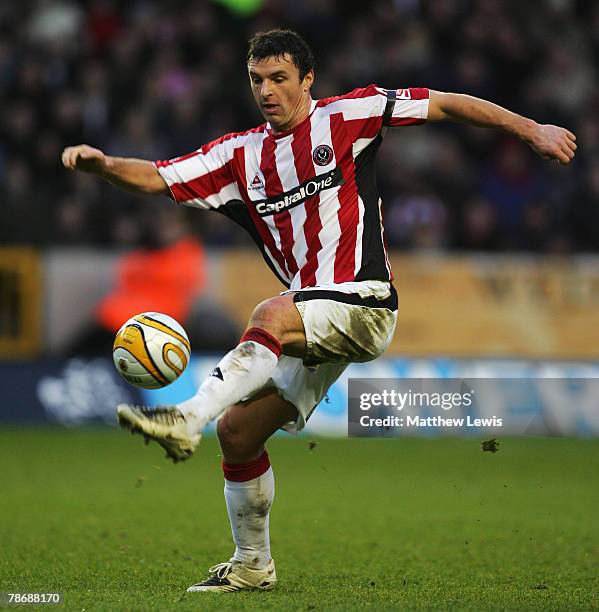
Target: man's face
point(283, 99)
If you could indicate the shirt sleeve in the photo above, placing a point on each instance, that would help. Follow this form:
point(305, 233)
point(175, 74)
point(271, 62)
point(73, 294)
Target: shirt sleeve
point(203, 178)
point(406, 106)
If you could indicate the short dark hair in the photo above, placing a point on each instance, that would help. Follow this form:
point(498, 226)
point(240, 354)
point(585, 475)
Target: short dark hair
point(278, 42)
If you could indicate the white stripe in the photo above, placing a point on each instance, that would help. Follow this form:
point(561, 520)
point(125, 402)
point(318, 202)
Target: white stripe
point(252, 157)
point(200, 165)
point(203, 163)
point(380, 289)
point(252, 154)
point(272, 228)
point(282, 273)
point(288, 176)
point(387, 264)
point(359, 236)
point(226, 194)
point(357, 108)
point(360, 145)
point(330, 232)
point(410, 109)
point(171, 173)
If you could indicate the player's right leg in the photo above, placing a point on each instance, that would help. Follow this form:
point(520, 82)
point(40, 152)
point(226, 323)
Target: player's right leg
point(274, 327)
point(163, 424)
point(249, 492)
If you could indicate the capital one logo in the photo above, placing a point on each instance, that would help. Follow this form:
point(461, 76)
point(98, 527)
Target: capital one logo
point(297, 195)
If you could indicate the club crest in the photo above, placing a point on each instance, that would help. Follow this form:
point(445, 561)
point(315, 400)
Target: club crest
point(322, 155)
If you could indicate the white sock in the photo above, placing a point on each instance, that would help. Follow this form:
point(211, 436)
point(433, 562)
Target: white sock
point(238, 375)
point(248, 505)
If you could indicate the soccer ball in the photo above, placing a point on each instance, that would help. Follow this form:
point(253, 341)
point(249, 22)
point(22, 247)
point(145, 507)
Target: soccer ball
point(151, 350)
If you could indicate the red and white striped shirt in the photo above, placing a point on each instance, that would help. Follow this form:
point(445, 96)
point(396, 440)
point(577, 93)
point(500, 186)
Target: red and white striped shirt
point(307, 196)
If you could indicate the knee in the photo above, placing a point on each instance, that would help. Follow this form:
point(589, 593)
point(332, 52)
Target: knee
point(235, 444)
point(227, 436)
point(269, 315)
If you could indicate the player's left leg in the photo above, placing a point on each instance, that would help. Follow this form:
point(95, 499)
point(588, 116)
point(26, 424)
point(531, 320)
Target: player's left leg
point(249, 491)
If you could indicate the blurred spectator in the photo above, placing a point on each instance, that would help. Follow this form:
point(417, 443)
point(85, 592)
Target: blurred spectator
point(417, 221)
point(510, 184)
point(478, 228)
point(54, 20)
point(584, 218)
point(166, 275)
point(155, 80)
point(104, 23)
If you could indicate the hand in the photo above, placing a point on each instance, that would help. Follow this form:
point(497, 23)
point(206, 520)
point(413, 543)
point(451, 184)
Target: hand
point(553, 142)
point(83, 157)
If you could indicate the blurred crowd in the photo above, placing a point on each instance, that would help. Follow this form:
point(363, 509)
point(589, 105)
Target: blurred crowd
point(154, 79)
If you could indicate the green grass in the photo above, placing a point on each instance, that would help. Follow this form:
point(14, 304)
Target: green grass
point(356, 524)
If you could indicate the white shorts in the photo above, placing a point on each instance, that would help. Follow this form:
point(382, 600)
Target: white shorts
point(341, 327)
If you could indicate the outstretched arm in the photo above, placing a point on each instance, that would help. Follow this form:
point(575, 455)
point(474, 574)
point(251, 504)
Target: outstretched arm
point(548, 141)
point(137, 175)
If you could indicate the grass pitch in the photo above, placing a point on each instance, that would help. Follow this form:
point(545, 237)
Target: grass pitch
point(356, 524)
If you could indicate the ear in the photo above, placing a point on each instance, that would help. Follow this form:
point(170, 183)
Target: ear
point(308, 80)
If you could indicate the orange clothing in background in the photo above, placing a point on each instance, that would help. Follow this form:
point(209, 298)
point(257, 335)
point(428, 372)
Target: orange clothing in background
point(166, 280)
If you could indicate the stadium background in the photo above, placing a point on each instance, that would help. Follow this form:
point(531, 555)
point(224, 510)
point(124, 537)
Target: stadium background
point(495, 251)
